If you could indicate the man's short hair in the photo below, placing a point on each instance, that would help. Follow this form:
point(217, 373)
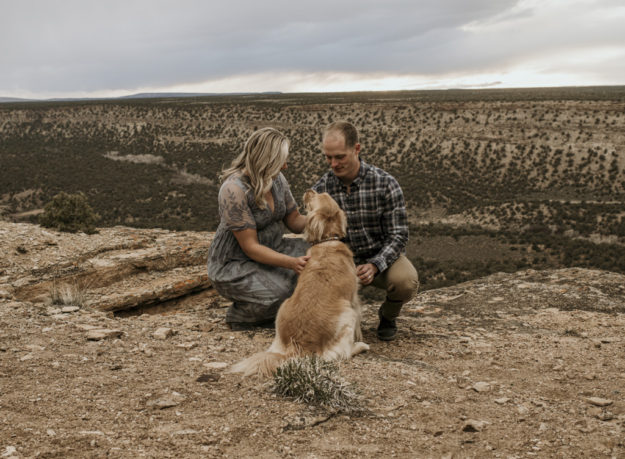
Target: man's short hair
point(347, 129)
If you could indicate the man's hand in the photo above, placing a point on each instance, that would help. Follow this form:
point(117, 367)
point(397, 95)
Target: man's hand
point(366, 273)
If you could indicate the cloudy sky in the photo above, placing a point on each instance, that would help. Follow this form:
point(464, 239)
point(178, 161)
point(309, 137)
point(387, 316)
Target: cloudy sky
point(76, 48)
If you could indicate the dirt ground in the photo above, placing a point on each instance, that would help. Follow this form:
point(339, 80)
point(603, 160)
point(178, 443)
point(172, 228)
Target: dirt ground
point(513, 365)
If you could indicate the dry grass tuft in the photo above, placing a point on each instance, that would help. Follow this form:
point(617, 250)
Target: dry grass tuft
point(316, 382)
point(73, 294)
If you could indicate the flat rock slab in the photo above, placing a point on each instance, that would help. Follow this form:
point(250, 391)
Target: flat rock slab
point(163, 333)
point(116, 269)
point(566, 289)
point(597, 401)
point(103, 333)
point(473, 425)
point(151, 289)
point(216, 365)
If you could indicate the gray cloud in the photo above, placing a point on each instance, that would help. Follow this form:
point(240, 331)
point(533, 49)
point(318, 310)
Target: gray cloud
point(89, 45)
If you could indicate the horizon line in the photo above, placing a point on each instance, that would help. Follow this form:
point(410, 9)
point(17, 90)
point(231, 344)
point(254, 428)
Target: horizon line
point(185, 94)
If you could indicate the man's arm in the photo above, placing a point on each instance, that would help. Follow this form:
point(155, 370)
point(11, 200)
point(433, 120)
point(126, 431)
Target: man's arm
point(394, 226)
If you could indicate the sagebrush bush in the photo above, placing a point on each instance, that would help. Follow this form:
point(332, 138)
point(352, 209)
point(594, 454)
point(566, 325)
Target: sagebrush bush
point(70, 213)
point(315, 381)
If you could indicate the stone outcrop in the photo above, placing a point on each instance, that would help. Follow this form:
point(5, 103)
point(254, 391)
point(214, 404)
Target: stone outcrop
point(118, 268)
point(569, 289)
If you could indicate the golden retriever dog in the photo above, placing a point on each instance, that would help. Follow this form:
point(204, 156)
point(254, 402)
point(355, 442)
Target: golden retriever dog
point(322, 316)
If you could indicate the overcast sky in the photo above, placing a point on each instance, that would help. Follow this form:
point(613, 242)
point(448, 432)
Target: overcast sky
point(75, 48)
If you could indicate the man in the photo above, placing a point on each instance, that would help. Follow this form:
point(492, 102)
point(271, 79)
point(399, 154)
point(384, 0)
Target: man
point(377, 228)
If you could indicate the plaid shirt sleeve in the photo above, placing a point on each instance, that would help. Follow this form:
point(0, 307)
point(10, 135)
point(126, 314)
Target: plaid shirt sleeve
point(394, 226)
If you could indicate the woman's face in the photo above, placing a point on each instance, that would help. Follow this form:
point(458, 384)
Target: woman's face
point(285, 154)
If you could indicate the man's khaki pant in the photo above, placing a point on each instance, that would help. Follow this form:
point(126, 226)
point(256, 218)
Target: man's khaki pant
point(401, 283)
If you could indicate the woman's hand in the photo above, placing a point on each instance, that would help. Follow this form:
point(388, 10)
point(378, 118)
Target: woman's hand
point(299, 263)
point(248, 240)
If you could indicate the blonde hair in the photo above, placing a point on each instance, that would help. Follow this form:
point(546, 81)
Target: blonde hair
point(263, 156)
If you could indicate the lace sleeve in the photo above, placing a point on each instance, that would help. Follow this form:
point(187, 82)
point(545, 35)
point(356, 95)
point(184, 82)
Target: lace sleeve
point(234, 208)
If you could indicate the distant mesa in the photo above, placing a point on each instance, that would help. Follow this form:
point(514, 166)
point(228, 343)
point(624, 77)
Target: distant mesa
point(153, 95)
point(142, 95)
point(13, 99)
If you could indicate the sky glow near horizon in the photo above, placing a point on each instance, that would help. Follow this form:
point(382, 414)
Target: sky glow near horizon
point(88, 48)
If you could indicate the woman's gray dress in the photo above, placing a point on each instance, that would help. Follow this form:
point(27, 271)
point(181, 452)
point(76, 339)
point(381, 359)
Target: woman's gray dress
point(257, 290)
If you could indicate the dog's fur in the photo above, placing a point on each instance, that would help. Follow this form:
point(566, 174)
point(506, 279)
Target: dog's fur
point(322, 316)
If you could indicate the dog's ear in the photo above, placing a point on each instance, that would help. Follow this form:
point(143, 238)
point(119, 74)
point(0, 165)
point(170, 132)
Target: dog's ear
point(322, 224)
point(315, 225)
point(337, 224)
point(342, 223)
point(327, 206)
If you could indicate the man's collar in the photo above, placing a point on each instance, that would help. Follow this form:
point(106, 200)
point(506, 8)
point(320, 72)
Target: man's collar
point(362, 171)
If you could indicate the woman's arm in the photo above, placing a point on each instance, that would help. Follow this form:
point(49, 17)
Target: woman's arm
point(248, 240)
point(295, 221)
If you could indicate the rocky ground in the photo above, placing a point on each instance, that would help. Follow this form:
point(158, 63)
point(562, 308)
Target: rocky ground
point(512, 365)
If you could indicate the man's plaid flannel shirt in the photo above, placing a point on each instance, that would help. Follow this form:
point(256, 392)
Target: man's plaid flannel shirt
point(377, 226)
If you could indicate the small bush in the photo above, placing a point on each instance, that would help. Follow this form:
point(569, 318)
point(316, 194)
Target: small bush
point(70, 213)
point(68, 295)
point(315, 381)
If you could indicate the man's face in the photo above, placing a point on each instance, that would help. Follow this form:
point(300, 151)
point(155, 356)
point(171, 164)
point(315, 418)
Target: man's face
point(343, 160)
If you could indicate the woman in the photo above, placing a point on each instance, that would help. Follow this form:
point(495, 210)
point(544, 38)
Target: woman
point(249, 262)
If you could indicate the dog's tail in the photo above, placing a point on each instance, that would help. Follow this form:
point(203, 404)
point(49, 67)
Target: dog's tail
point(262, 364)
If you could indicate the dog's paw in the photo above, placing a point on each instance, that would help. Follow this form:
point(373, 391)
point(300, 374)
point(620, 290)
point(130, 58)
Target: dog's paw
point(359, 347)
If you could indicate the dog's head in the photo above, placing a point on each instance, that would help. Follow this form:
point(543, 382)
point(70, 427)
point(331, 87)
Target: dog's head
point(325, 217)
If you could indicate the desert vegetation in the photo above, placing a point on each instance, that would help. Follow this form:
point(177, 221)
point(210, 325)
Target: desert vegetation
point(69, 212)
point(316, 382)
point(495, 180)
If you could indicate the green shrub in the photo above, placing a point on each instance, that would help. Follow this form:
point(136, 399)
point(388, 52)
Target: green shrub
point(70, 213)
